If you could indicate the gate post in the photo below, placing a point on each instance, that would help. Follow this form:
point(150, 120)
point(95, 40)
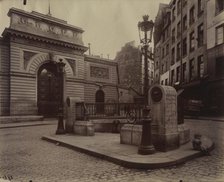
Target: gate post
point(70, 113)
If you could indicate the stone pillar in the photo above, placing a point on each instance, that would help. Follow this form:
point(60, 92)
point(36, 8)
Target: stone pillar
point(70, 113)
point(163, 102)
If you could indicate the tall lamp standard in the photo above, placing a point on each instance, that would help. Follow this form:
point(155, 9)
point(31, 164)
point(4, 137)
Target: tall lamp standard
point(60, 69)
point(146, 27)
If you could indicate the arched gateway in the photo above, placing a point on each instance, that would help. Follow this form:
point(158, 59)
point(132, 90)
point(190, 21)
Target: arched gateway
point(48, 90)
point(30, 49)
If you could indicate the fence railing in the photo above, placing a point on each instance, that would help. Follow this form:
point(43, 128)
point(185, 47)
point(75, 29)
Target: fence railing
point(131, 111)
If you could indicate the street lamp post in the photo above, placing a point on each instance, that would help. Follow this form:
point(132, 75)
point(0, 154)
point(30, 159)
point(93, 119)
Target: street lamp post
point(60, 68)
point(146, 146)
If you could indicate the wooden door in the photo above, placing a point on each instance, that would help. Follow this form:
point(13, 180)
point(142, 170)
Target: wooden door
point(48, 91)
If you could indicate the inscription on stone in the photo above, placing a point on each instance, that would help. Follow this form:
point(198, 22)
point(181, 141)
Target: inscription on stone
point(45, 27)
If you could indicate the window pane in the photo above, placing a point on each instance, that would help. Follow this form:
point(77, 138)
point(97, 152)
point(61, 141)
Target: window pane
point(219, 35)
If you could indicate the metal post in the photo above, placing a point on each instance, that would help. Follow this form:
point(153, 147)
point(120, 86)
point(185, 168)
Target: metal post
point(146, 146)
point(146, 77)
point(89, 48)
point(60, 128)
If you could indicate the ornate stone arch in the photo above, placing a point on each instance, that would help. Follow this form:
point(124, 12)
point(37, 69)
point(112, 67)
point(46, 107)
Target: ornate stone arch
point(42, 58)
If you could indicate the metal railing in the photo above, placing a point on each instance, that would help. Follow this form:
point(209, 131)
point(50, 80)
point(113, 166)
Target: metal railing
point(131, 111)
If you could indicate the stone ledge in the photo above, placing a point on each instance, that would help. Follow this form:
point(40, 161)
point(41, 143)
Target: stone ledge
point(85, 128)
point(18, 119)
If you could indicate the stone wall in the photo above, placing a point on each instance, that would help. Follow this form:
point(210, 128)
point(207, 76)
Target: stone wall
point(4, 78)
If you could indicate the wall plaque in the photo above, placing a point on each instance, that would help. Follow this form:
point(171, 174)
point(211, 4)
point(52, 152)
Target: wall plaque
point(99, 72)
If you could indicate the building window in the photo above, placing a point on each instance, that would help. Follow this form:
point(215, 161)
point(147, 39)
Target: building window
point(172, 77)
point(192, 15)
point(178, 74)
point(173, 36)
point(178, 7)
point(163, 52)
point(192, 46)
point(220, 34)
point(184, 72)
point(184, 3)
point(219, 6)
point(166, 81)
point(162, 82)
point(173, 56)
point(173, 14)
point(178, 51)
point(167, 49)
point(178, 29)
point(200, 35)
point(163, 37)
point(162, 68)
point(185, 47)
point(220, 66)
point(200, 7)
point(192, 72)
point(200, 66)
point(185, 23)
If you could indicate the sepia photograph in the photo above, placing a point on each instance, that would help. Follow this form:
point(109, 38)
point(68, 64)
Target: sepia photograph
point(111, 90)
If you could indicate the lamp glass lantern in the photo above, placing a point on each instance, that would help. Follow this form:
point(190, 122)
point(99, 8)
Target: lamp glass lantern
point(145, 29)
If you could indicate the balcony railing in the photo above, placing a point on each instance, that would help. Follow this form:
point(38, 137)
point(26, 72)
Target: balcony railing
point(131, 111)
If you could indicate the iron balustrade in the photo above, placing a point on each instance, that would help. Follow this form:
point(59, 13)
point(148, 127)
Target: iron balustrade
point(131, 111)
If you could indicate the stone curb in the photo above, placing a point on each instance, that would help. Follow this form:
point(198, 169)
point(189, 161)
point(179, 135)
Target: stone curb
point(24, 125)
point(204, 118)
point(123, 162)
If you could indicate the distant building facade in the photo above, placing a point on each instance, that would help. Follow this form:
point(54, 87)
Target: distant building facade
point(129, 66)
point(29, 51)
point(130, 62)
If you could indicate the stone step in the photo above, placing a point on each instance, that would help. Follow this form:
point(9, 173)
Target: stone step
point(17, 119)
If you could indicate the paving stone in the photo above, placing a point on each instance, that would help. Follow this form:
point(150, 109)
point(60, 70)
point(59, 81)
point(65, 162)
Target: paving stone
point(25, 157)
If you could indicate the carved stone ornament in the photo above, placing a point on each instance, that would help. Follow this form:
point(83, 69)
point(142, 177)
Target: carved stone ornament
point(72, 63)
point(27, 55)
point(99, 72)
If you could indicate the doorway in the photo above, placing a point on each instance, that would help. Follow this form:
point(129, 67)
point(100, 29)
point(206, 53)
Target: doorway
point(99, 97)
point(48, 90)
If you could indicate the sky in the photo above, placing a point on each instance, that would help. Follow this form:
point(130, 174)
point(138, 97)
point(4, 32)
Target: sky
point(108, 24)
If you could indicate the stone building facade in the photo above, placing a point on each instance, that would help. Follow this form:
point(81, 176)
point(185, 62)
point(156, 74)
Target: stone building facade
point(182, 47)
point(29, 51)
point(215, 52)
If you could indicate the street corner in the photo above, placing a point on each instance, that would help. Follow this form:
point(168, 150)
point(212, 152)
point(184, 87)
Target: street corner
point(203, 143)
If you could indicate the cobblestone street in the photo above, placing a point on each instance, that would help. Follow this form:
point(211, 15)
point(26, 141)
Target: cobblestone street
point(25, 157)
